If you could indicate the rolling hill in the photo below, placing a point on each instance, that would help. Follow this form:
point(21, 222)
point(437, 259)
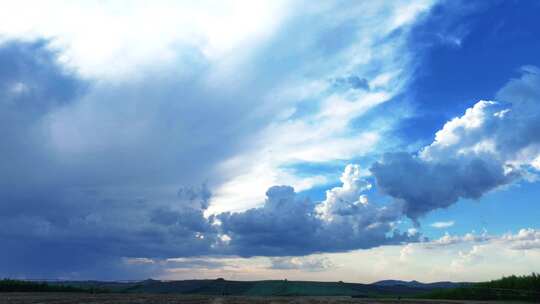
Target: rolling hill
point(264, 288)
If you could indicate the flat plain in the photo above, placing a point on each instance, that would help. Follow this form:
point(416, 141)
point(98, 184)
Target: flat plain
point(75, 298)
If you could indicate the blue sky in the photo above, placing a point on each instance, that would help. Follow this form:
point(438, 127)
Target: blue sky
point(348, 140)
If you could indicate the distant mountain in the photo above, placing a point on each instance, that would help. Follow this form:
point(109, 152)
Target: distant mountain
point(416, 284)
point(525, 288)
point(268, 288)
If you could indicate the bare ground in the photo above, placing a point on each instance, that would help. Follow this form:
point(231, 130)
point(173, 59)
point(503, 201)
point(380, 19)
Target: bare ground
point(73, 298)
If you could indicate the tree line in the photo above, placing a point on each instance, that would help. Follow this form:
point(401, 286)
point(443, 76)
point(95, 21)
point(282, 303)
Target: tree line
point(525, 288)
point(9, 285)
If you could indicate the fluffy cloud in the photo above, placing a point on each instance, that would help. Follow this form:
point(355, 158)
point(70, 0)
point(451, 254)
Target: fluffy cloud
point(90, 239)
point(89, 164)
point(288, 225)
point(113, 40)
point(459, 258)
point(311, 263)
point(473, 248)
point(442, 224)
point(525, 239)
point(448, 239)
point(126, 210)
point(95, 162)
point(358, 66)
point(92, 158)
point(491, 145)
point(424, 186)
point(347, 199)
point(31, 86)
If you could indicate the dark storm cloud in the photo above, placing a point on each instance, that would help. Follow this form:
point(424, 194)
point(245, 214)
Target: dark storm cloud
point(90, 170)
point(492, 144)
point(425, 186)
point(304, 263)
point(31, 81)
point(351, 82)
point(287, 225)
point(31, 86)
point(83, 236)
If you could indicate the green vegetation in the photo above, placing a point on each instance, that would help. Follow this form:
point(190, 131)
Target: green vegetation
point(7, 285)
point(299, 288)
point(526, 282)
point(268, 288)
point(524, 288)
point(248, 288)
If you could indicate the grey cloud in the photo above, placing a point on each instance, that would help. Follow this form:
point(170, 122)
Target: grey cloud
point(287, 225)
point(527, 246)
point(144, 268)
point(492, 144)
point(31, 86)
point(424, 186)
point(524, 239)
point(351, 82)
point(31, 81)
point(303, 263)
point(64, 209)
point(94, 235)
point(207, 263)
point(199, 262)
point(86, 166)
point(90, 168)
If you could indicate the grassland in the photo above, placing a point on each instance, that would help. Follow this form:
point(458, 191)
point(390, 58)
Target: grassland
point(523, 288)
point(506, 290)
point(7, 285)
point(75, 298)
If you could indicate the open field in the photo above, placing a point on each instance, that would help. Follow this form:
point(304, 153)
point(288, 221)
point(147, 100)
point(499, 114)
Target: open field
point(75, 298)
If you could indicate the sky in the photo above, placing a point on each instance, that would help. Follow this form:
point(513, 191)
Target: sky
point(333, 141)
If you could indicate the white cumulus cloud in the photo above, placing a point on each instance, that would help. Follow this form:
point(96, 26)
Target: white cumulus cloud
point(441, 225)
